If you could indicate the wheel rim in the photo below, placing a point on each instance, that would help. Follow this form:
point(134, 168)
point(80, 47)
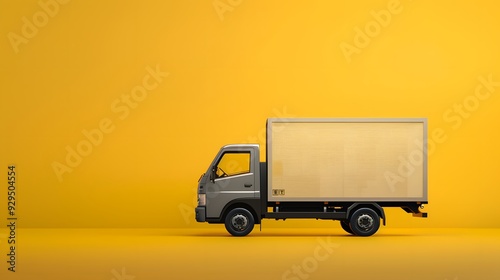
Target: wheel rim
point(239, 222)
point(365, 222)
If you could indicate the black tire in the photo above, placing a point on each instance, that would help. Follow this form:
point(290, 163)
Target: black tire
point(364, 222)
point(345, 226)
point(239, 222)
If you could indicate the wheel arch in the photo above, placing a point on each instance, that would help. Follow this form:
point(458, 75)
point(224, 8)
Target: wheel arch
point(250, 204)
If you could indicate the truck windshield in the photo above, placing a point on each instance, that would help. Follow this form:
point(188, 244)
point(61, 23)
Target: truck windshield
point(233, 163)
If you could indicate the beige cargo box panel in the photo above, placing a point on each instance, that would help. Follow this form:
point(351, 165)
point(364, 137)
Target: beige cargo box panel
point(347, 160)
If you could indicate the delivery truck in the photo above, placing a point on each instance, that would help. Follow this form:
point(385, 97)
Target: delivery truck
point(335, 169)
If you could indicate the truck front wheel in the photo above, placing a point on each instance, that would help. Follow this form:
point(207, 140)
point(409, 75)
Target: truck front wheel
point(239, 222)
point(364, 222)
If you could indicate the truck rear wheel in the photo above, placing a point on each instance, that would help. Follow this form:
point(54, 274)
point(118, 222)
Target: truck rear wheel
point(239, 222)
point(364, 222)
point(345, 226)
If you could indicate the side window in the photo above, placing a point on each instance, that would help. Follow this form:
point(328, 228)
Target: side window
point(233, 163)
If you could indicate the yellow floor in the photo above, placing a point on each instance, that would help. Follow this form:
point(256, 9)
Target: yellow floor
point(295, 254)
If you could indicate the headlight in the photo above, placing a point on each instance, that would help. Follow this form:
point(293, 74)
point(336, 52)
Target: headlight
point(202, 199)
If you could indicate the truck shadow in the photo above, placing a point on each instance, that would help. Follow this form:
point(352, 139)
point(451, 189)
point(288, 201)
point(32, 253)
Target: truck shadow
point(301, 234)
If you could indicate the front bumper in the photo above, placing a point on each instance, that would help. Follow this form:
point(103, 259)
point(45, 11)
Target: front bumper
point(200, 214)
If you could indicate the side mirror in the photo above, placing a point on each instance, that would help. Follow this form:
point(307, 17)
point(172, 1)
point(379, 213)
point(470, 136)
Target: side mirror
point(212, 174)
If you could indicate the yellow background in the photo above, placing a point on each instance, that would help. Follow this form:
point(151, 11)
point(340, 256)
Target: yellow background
point(229, 70)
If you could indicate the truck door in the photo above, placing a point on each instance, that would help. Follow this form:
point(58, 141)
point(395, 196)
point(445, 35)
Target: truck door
point(233, 177)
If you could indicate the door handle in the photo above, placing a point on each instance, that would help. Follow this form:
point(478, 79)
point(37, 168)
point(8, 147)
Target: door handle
point(248, 185)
